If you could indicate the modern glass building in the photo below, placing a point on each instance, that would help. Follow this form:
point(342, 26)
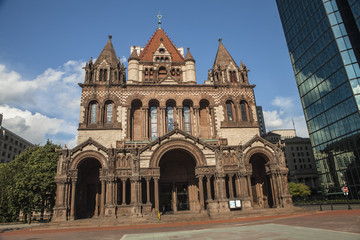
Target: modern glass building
point(324, 44)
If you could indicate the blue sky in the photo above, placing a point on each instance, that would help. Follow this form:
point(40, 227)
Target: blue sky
point(44, 45)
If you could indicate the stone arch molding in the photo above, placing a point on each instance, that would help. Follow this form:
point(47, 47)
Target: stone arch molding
point(86, 155)
point(270, 158)
point(178, 144)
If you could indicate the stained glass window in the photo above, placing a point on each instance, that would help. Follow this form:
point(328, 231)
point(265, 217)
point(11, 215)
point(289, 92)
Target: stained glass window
point(109, 108)
point(93, 109)
point(229, 111)
point(187, 123)
point(153, 122)
point(170, 117)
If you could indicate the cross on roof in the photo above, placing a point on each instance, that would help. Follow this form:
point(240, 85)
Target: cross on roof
point(159, 16)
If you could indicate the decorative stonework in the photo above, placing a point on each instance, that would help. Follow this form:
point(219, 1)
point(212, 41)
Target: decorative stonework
point(162, 129)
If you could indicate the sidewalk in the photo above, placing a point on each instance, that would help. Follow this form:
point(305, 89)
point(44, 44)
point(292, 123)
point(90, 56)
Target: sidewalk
point(294, 221)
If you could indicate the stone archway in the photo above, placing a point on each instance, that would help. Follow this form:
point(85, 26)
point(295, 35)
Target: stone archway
point(88, 189)
point(262, 194)
point(178, 190)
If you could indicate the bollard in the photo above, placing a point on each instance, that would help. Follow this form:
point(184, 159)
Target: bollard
point(320, 207)
point(331, 205)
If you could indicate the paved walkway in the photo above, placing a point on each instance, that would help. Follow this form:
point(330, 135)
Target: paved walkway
point(341, 224)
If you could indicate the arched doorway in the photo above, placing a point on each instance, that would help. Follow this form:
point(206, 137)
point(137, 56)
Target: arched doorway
point(88, 189)
point(260, 182)
point(178, 184)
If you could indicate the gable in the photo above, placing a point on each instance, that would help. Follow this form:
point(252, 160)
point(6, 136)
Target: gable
point(152, 46)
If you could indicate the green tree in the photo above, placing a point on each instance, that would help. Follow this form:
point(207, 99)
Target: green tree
point(31, 187)
point(299, 190)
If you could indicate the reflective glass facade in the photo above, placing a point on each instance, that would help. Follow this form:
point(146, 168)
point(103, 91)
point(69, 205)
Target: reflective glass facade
point(323, 42)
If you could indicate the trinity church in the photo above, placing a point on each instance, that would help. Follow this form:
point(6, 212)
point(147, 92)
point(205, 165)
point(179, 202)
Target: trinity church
point(154, 140)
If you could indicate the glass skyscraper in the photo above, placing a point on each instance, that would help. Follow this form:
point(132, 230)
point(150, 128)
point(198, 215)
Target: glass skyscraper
point(324, 44)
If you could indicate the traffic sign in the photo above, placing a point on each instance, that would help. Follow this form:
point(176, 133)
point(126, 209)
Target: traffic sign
point(345, 189)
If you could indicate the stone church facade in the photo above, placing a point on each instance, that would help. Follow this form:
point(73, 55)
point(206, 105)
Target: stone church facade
point(158, 141)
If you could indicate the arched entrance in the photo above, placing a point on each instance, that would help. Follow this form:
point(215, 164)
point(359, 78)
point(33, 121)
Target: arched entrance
point(260, 182)
point(88, 189)
point(178, 189)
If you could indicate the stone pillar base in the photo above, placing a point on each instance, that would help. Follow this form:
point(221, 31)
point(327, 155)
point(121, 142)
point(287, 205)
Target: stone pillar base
point(59, 214)
point(224, 206)
point(146, 208)
point(212, 206)
point(246, 204)
point(110, 211)
point(287, 201)
point(136, 209)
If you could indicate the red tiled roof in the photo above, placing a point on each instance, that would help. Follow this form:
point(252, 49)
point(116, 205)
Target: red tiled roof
point(154, 43)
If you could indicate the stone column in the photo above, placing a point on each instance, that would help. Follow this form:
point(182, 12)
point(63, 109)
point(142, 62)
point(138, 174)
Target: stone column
point(97, 200)
point(237, 186)
point(148, 190)
point(208, 187)
point(173, 197)
point(180, 118)
point(237, 112)
point(274, 190)
point(248, 184)
point(147, 137)
point(231, 189)
point(73, 191)
point(201, 190)
point(123, 191)
point(60, 186)
point(116, 192)
point(103, 192)
point(134, 190)
point(162, 125)
point(156, 185)
point(213, 123)
point(220, 182)
point(128, 121)
point(196, 110)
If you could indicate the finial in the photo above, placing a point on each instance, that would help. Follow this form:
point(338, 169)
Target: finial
point(220, 39)
point(110, 37)
point(159, 16)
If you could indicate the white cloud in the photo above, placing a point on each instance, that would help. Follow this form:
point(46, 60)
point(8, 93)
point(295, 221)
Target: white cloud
point(272, 119)
point(36, 127)
point(44, 107)
point(286, 114)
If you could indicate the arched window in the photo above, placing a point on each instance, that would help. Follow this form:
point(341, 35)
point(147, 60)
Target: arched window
point(233, 77)
point(170, 117)
point(105, 75)
point(243, 110)
point(187, 121)
point(93, 112)
point(153, 122)
point(230, 110)
point(101, 75)
point(108, 112)
point(162, 72)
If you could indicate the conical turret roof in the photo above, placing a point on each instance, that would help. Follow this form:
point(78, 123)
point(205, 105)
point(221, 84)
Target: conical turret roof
point(133, 55)
point(188, 56)
point(223, 57)
point(108, 53)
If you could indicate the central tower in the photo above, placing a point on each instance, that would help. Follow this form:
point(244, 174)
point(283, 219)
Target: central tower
point(160, 62)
